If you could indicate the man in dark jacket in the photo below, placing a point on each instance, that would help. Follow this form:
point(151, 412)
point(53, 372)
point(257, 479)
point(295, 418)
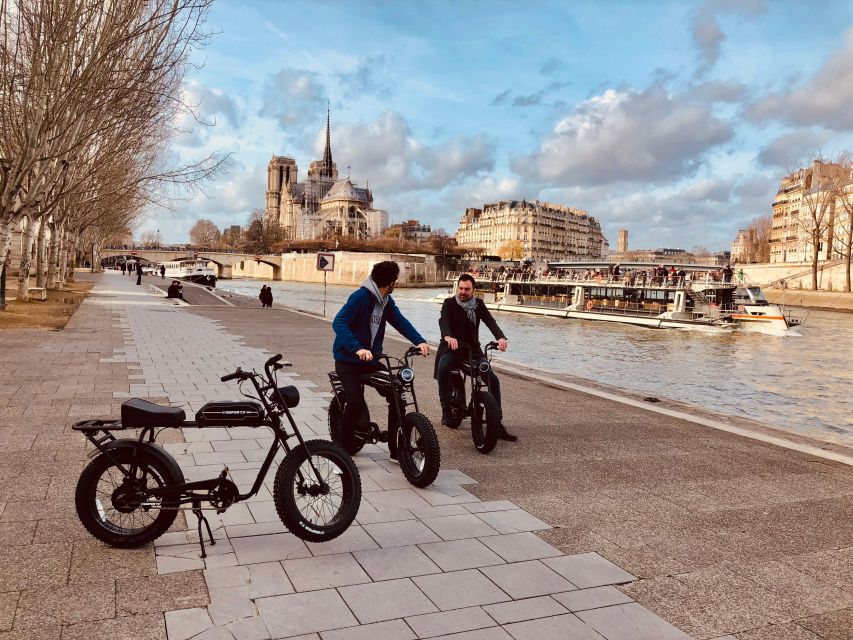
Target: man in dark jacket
point(359, 333)
point(460, 322)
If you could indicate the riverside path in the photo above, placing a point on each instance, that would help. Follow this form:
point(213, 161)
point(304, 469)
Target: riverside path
point(604, 521)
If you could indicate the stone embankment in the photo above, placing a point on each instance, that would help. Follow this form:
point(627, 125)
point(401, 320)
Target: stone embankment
point(811, 299)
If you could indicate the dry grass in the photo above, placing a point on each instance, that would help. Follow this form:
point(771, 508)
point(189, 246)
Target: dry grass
point(51, 314)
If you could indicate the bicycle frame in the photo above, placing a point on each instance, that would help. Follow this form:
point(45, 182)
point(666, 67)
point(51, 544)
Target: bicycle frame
point(478, 380)
point(220, 491)
point(389, 382)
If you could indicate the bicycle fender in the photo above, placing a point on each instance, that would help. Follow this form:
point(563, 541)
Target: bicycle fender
point(152, 449)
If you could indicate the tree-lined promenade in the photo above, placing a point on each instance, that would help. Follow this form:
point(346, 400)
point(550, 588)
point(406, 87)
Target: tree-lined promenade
point(90, 91)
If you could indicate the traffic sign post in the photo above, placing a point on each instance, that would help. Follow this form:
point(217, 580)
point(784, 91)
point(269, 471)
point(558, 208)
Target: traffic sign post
point(325, 263)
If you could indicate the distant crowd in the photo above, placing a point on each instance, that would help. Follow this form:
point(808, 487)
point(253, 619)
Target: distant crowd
point(653, 276)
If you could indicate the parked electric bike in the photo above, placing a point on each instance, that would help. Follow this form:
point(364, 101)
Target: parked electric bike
point(416, 443)
point(482, 407)
point(131, 492)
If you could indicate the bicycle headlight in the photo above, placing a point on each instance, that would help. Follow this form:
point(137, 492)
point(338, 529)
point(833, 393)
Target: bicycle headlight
point(483, 366)
point(406, 375)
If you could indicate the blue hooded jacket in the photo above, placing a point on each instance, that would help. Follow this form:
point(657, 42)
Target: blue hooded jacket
point(352, 326)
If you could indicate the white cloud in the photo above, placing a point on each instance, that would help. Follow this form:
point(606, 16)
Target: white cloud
point(792, 150)
point(295, 98)
point(824, 99)
point(626, 136)
point(386, 152)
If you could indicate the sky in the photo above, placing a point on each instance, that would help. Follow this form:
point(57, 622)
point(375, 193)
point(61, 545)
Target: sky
point(675, 120)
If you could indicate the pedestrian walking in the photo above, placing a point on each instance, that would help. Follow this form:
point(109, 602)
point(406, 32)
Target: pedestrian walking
point(269, 297)
point(162, 272)
point(123, 268)
point(262, 296)
point(138, 273)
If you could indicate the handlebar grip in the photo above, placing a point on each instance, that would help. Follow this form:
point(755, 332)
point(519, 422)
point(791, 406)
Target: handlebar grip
point(273, 360)
point(231, 376)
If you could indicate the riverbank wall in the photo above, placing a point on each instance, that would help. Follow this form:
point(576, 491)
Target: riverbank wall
point(833, 301)
point(797, 275)
point(351, 268)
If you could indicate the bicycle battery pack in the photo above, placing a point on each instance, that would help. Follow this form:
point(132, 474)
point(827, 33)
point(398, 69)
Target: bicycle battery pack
point(241, 413)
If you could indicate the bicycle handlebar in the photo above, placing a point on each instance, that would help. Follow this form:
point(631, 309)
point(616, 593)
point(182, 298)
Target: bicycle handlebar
point(237, 375)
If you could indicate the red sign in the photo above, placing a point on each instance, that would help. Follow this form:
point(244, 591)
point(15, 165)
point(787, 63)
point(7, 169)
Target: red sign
point(257, 258)
point(133, 253)
point(195, 254)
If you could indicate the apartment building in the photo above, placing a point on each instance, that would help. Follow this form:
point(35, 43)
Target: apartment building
point(544, 230)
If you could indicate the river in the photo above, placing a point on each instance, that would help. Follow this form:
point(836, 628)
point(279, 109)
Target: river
point(802, 381)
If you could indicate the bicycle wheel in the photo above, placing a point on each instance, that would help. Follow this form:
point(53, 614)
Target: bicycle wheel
point(314, 510)
point(457, 401)
point(338, 434)
point(110, 504)
point(485, 421)
point(418, 450)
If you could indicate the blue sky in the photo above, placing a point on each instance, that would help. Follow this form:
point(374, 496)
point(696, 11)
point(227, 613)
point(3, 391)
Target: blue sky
point(673, 119)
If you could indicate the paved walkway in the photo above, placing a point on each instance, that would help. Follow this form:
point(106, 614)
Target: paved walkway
point(418, 563)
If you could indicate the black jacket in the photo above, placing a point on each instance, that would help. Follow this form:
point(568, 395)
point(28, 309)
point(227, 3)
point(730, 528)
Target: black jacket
point(454, 323)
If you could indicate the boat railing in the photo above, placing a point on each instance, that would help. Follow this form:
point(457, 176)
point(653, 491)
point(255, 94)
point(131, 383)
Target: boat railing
point(635, 280)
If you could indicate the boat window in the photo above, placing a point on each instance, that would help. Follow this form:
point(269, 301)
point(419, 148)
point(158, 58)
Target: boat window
point(756, 294)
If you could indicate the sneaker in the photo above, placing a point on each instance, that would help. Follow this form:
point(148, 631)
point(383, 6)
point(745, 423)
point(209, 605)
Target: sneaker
point(503, 434)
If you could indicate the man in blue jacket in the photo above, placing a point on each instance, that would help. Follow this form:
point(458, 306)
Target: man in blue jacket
point(359, 332)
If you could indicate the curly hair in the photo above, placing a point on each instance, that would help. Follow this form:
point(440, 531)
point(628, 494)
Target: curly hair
point(385, 273)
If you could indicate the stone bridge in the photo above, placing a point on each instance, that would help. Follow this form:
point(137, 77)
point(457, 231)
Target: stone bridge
point(225, 262)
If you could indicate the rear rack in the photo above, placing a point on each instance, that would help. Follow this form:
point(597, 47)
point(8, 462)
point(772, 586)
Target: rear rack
point(98, 425)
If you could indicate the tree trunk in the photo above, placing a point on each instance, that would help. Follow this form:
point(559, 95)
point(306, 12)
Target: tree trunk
point(5, 242)
point(62, 258)
point(815, 245)
point(52, 258)
point(27, 238)
point(847, 274)
point(40, 252)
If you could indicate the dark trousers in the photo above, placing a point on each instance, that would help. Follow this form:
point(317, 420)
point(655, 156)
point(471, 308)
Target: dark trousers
point(139, 278)
point(350, 374)
point(451, 360)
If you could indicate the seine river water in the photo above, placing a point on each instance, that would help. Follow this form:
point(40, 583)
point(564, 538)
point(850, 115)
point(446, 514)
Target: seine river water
point(802, 381)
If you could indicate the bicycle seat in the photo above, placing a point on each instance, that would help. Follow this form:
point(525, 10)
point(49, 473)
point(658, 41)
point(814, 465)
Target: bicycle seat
point(138, 414)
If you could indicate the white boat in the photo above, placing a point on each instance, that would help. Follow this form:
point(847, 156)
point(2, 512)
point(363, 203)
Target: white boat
point(685, 302)
point(191, 269)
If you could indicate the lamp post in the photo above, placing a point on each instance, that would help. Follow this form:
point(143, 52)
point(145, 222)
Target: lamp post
point(158, 239)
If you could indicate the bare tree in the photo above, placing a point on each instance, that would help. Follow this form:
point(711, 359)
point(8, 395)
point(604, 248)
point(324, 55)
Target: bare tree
point(88, 87)
point(204, 233)
point(822, 184)
point(843, 236)
point(758, 242)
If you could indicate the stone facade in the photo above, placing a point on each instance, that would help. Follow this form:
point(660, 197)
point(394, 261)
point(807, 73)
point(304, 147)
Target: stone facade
point(622, 241)
point(545, 231)
point(742, 245)
point(802, 190)
point(322, 206)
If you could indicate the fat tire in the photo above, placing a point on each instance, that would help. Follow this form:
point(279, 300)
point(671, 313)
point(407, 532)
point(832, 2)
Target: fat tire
point(336, 431)
point(428, 443)
point(286, 479)
point(485, 421)
point(457, 402)
point(84, 499)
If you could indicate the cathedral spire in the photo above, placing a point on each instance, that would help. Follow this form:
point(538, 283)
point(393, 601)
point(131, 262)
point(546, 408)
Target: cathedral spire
point(327, 154)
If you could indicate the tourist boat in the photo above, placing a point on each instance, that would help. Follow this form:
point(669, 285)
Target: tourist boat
point(695, 300)
point(191, 269)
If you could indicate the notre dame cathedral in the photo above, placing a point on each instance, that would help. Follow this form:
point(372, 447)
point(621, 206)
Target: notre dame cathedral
point(322, 206)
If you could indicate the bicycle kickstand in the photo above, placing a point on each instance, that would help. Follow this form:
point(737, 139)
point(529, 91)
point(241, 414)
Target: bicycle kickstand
point(198, 514)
